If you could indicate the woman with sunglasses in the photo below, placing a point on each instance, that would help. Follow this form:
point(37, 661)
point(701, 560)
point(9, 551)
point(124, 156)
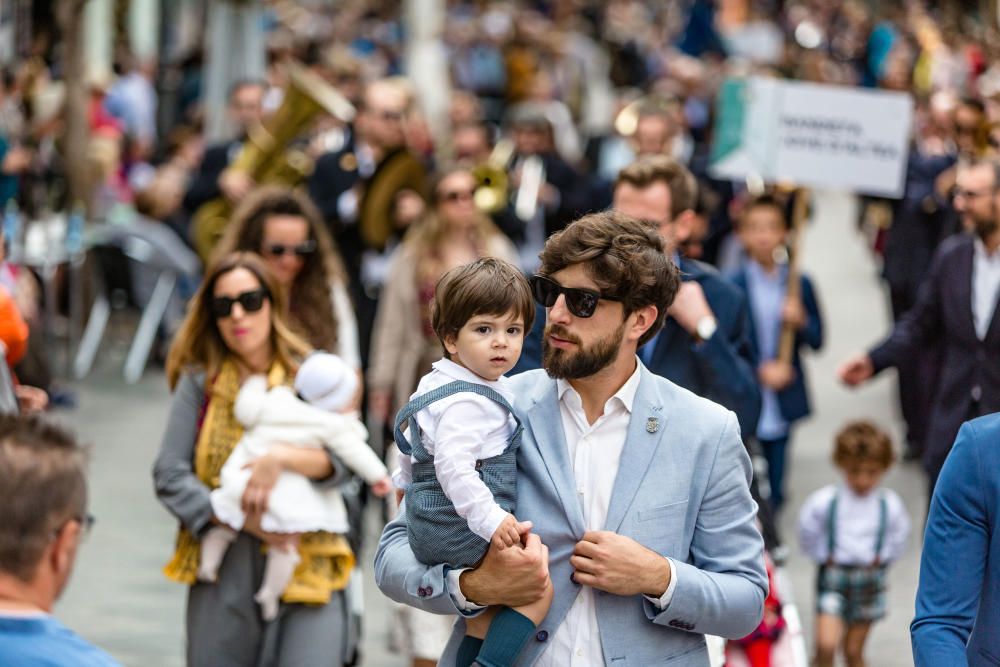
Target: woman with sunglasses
point(234, 329)
point(453, 232)
point(287, 230)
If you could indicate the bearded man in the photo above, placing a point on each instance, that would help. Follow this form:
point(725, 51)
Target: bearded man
point(955, 312)
point(638, 490)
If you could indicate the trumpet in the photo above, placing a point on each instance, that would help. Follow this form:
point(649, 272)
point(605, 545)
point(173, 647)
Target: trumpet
point(491, 178)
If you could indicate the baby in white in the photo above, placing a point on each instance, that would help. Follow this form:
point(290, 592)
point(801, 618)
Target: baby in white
point(295, 505)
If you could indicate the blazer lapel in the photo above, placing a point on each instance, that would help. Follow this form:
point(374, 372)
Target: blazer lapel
point(645, 431)
point(963, 276)
point(546, 426)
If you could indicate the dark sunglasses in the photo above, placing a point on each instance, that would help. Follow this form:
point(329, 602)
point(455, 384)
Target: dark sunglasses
point(302, 249)
point(251, 302)
point(458, 195)
point(580, 302)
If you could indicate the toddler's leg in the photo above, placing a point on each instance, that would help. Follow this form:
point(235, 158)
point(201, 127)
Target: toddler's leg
point(508, 632)
point(213, 548)
point(854, 644)
point(278, 572)
point(829, 630)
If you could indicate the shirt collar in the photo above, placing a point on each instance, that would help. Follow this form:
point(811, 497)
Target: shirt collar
point(757, 271)
point(625, 394)
point(983, 253)
point(456, 371)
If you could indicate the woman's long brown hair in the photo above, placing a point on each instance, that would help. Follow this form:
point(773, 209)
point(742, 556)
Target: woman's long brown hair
point(198, 345)
point(310, 307)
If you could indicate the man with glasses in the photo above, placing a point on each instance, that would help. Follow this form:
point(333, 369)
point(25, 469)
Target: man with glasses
point(637, 489)
point(955, 313)
point(43, 502)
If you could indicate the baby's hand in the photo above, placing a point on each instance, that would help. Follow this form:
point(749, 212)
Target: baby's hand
point(509, 532)
point(382, 487)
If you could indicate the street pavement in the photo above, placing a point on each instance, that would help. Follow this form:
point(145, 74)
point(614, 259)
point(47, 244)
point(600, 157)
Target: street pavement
point(119, 599)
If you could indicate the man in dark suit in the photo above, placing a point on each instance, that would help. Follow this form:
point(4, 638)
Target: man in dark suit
point(954, 313)
point(212, 180)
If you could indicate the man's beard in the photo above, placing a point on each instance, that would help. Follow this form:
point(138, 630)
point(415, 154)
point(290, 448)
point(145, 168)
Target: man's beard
point(583, 362)
point(984, 226)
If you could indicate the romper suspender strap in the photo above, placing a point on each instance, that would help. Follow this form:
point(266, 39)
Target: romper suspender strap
point(831, 528)
point(408, 414)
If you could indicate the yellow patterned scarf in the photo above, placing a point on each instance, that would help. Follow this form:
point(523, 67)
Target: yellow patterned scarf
point(326, 558)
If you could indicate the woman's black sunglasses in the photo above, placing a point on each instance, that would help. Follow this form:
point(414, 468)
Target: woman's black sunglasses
point(251, 302)
point(580, 302)
point(302, 250)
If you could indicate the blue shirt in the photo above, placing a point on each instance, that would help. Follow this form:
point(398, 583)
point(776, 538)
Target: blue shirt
point(42, 641)
point(767, 296)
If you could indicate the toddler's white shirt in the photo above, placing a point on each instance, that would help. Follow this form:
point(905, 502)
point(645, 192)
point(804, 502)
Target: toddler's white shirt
point(856, 525)
point(457, 431)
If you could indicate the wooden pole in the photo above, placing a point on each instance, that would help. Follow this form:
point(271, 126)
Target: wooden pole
point(800, 210)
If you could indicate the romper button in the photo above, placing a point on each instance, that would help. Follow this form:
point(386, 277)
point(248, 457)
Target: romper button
point(542, 636)
point(479, 465)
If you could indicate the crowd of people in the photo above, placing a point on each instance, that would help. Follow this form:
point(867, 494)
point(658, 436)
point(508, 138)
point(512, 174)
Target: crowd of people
point(562, 216)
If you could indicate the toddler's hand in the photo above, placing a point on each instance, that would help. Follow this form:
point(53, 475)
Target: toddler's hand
point(382, 487)
point(510, 532)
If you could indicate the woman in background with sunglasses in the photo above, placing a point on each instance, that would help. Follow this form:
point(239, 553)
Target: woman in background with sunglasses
point(287, 230)
point(234, 328)
point(452, 232)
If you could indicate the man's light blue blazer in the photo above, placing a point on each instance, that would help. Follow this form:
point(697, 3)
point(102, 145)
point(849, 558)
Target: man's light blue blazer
point(682, 490)
point(957, 618)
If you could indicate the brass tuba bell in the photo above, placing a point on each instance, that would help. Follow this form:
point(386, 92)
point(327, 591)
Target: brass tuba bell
point(491, 178)
point(264, 156)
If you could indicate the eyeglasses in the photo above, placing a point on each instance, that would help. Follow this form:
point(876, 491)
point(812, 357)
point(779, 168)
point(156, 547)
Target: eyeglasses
point(580, 302)
point(251, 302)
point(969, 195)
point(86, 522)
point(301, 250)
point(458, 195)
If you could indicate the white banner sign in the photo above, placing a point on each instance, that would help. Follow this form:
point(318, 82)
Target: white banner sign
point(813, 135)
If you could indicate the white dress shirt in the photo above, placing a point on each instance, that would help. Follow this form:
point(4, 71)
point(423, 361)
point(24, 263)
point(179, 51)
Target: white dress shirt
point(856, 525)
point(595, 450)
point(457, 431)
point(985, 287)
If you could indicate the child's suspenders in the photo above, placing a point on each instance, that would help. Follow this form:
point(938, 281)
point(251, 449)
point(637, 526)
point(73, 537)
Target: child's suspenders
point(831, 527)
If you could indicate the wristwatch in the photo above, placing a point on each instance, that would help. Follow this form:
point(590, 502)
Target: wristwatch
point(706, 327)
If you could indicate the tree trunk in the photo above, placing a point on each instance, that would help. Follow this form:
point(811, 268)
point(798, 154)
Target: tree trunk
point(69, 14)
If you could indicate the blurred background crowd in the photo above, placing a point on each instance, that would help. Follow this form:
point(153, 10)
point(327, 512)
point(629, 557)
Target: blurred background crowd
point(137, 139)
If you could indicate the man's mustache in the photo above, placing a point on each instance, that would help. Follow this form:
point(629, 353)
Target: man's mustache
point(559, 331)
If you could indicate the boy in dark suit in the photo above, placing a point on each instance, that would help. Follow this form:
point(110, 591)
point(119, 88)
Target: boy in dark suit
point(764, 279)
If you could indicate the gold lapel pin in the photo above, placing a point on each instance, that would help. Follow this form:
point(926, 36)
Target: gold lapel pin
point(652, 425)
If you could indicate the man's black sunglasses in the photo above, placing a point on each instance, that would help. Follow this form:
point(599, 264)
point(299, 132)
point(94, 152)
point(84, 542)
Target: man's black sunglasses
point(302, 249)
point(251, 302)
point(580, 302)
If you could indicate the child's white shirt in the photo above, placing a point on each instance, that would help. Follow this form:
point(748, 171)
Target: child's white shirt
point(457, 431)
point(856, 524)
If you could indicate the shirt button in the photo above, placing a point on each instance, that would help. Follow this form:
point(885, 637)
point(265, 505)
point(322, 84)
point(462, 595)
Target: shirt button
point(579, 652)
point(542, 636)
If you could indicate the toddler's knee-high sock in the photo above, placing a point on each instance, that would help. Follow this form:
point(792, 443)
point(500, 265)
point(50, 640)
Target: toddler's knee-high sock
point(213, 548)
point(467, 651)
point(277, 573)
point(508, 633)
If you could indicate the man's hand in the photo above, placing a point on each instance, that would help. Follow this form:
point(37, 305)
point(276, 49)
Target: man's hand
point(776, 375)
point(31, 399)
point(511, 577)
point(235, 185)
point(690, 306)
point(856, 370)
point(619, 565)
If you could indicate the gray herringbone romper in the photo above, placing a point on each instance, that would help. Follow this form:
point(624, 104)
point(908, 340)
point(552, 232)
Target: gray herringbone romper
point(436, 532)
